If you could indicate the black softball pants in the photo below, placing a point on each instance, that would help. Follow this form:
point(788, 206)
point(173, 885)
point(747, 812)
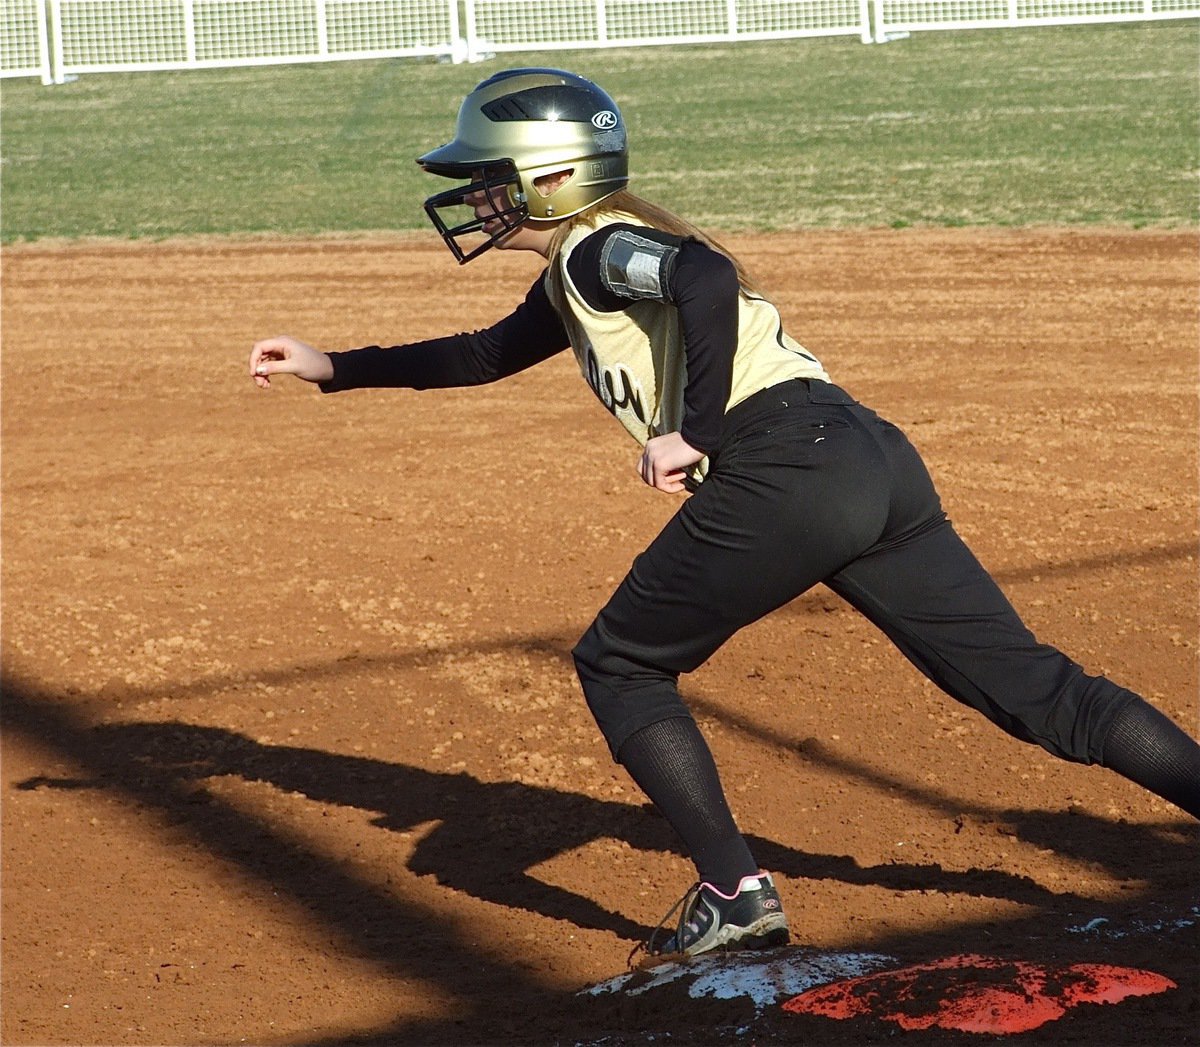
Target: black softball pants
point(809, 486)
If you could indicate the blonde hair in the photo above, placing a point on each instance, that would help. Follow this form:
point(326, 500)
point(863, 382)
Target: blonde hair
point(623, 202)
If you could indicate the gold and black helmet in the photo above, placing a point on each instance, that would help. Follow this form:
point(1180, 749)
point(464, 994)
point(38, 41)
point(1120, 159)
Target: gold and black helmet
point(514, 128)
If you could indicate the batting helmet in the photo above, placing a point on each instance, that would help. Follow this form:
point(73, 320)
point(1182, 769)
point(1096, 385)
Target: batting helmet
point(515, 127)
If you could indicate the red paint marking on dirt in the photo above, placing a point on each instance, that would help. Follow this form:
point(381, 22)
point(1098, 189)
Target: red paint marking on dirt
point(977, 993)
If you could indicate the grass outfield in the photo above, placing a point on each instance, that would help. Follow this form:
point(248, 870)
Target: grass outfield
point(1079, 124)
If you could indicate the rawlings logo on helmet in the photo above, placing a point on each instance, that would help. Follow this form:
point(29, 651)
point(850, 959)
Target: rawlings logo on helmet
point(605, 120)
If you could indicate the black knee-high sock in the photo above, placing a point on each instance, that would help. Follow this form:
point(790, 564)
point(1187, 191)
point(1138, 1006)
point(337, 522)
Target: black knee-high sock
point(672, 764)
point(1148, 748)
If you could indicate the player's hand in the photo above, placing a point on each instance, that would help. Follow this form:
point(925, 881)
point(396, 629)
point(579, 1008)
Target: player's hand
point(287, 355)
point(665, 460)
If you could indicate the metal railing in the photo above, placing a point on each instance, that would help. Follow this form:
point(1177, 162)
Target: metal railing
point(57, 40)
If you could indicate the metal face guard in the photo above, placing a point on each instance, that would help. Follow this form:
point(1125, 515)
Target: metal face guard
point(486, 182)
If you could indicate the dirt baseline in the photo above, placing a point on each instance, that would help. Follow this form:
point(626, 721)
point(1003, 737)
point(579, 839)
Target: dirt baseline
point(293, 752)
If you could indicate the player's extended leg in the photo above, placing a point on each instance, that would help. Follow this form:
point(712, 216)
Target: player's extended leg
point(926, 590)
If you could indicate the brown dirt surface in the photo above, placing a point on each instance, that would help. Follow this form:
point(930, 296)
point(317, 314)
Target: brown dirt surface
point(293, 752)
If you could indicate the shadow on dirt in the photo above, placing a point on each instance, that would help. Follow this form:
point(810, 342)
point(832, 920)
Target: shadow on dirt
point(488, 837)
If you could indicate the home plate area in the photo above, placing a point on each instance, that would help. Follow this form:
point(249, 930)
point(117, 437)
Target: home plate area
point(760, 993)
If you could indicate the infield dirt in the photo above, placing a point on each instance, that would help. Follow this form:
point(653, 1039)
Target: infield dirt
point(293, 751)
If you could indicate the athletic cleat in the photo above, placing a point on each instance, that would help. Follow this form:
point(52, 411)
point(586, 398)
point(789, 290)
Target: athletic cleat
point(751, 918)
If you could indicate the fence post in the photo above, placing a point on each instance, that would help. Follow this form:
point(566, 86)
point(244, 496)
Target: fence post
point(472, 37)
point(458, 46)
point(189, 30)
point(880, 28)
point(864, 20)
point(321, 16)
point(56, 34)
point(44, 44)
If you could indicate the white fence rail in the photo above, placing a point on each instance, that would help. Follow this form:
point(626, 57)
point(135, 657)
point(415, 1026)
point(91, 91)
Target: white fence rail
point(494, 26)
point(58, 39)
point(92, 36)
point(893, 17)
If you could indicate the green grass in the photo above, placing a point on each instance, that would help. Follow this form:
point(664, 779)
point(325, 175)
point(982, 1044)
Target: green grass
point(1084, 124)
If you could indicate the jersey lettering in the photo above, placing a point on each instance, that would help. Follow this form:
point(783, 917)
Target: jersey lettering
point(604, 384)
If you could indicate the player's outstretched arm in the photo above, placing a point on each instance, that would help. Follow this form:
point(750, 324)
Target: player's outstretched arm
point(287, 355)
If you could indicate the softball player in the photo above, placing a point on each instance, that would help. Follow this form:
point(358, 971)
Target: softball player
point(792, 481)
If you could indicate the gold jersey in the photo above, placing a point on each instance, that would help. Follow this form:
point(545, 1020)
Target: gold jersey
point(634, 361)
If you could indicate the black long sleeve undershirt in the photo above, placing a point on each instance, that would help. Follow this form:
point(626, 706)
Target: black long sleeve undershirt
point(702, 285)
point(530, 334)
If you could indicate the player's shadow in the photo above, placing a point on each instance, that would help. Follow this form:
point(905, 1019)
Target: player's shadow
point(486, 837)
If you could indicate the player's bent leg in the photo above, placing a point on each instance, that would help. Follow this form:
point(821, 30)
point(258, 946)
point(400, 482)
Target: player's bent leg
point(672, 764)
point(655, 738)
point(777, 515)
point(799, 487)
point(652, 734)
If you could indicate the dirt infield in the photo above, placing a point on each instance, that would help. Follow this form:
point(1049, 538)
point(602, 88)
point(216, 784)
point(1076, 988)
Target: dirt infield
point(293, 752)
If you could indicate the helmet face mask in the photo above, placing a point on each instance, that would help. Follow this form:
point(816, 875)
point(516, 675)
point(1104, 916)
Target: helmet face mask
point(497, 181)
point(513, 129)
